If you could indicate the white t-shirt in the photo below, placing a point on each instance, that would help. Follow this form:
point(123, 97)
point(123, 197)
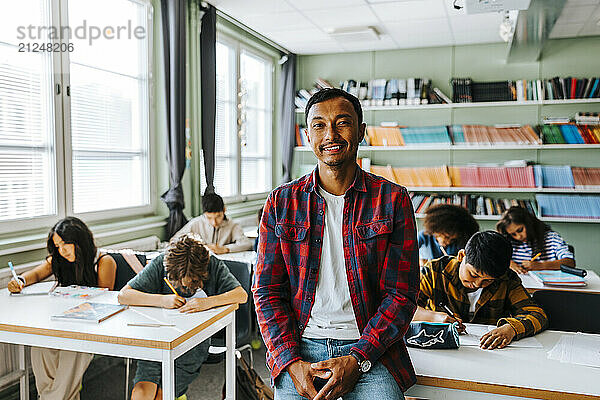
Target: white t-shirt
point(473, 298)
point(332, 316)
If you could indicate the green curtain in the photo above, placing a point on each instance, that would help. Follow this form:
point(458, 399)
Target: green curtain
point(193, 110)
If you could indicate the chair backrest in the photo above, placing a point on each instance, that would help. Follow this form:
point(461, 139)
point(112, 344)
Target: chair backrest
point(570, 311)
point(244, 314)
point(125, 269)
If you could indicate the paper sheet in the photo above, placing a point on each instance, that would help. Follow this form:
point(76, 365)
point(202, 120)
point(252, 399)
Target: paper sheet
point(476, 331)
point(581, 349)
point(40, 288)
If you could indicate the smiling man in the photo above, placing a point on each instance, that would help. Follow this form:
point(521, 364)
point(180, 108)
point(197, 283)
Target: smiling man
point(336, 280)
point(479, 287)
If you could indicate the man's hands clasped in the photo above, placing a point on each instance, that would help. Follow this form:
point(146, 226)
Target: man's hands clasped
point(341, 374)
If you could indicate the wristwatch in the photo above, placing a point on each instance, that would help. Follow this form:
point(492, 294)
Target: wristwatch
point(364, 365)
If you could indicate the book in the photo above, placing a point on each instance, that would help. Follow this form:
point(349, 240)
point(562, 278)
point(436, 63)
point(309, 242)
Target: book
point(37, 289)
point(557, 278)
point(89, 312)
point(78, 292)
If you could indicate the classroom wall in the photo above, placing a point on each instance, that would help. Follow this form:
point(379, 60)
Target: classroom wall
point(482, 62)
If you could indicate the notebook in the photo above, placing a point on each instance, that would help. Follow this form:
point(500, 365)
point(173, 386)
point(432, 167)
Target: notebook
point(557, 278)
point(78, 292)
point(89, 312)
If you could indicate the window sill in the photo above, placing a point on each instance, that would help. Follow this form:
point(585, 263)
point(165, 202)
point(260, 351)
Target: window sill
point(37, 240)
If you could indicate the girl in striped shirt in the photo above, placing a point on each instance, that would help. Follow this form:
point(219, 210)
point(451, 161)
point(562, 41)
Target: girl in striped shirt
point(530, 236)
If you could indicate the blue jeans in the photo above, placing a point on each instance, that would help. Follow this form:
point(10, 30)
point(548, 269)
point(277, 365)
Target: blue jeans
point(378, 383)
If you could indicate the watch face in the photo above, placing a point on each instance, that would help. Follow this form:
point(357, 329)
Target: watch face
point(365, 366)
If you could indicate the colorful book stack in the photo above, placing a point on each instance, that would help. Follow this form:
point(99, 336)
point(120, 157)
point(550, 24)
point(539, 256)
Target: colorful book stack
point(517, 174)
point(570, 134)
point(383, 92)
point(465, 90)
point(470, 135)
point(476, 204)
point(569, 206)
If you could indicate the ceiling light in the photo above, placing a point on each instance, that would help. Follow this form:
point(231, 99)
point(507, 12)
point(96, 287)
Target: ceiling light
point(356, 33)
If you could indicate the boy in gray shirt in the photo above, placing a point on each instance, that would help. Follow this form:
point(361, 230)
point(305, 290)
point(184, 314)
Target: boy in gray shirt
point(190, 269)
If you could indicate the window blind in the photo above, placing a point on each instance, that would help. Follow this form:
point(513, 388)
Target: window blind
point(27, 155)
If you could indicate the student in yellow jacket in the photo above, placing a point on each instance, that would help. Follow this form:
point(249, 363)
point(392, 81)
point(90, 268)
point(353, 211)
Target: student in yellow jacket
point(479, 287)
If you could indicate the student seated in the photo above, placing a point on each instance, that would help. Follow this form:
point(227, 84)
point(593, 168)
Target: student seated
point(220, 234)
point(191, 270)
point(530, 236)
point(447, 229)
point(74, 260)
point(479, 287)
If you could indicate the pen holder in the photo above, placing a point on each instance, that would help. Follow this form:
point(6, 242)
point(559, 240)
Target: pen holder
point(432, 335)
point(573, 270)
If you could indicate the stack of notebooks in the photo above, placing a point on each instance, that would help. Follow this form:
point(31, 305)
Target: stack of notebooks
point(487, 135)
point(569, 206)
point(424, 176)
point(586, 178)
point(553, 176)
point(557, 278)
point(585, 118)
point(492, 176)
point(477, 205)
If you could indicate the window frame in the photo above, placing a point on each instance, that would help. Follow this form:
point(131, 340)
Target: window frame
point(62, 147)
point(239, 45)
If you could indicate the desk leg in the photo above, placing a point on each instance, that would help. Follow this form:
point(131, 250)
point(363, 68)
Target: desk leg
point(168, 376)
point(24, 380)
point(230, 360)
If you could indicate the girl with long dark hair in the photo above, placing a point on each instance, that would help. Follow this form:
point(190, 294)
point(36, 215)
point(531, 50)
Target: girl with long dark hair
point(73, 260)
point(530, 236)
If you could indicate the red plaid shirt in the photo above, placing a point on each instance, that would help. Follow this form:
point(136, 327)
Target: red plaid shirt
point(380, 251)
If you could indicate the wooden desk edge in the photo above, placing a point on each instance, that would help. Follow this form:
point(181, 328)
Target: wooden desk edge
point(154, 344)
point(230, 309)
point(501, 389)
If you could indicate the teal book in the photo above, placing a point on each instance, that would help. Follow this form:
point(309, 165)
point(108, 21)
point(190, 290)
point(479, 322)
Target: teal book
point(89, 312)
point(557, 278)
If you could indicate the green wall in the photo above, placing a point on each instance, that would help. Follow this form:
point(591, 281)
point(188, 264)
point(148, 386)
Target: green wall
point(564, 57)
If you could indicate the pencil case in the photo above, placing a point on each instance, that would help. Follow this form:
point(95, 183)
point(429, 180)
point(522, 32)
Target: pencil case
point(573, 271)
point(432, 335)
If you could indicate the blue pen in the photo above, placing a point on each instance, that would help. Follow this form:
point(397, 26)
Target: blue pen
point(12, 270)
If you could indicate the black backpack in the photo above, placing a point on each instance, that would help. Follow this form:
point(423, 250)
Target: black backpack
point(249, 386)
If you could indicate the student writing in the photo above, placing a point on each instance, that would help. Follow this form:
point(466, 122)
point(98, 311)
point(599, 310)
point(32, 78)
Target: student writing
point(479, 287)
point(191, 270)
point(530, 236)
point(220, 234)
point(73, 260)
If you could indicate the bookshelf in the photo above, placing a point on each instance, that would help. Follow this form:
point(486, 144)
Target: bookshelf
point(484, 62)
point(475, 105)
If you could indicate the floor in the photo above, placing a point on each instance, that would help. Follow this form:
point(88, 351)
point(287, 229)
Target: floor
point(107, 379)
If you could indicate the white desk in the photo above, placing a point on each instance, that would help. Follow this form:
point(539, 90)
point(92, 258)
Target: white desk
point(592, 279)
point(473, 373)
point(248, 257)
point(25, 321)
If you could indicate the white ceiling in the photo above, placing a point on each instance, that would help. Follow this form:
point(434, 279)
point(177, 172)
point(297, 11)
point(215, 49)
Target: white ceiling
point(301, 26)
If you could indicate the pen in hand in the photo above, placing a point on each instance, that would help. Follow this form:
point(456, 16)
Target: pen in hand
point(461, 327)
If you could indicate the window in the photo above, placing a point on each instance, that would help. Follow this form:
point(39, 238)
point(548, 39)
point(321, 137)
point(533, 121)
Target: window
point(244, 118)
point(74, 125)
point(109, 109)
point(27, 141)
